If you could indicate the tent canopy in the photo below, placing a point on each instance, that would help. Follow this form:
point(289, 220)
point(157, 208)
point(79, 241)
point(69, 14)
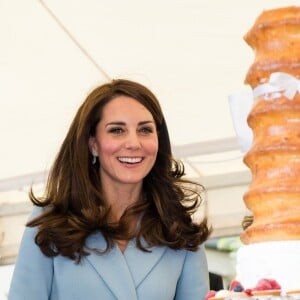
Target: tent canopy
point(191, 54)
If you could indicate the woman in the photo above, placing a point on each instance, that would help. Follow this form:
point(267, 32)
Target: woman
point(115, 221)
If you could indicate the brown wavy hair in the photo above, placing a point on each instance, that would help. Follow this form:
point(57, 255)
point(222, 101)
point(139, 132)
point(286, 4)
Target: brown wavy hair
point(74, 200)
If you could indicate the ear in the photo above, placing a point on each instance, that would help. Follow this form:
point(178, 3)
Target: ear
point(93, 146)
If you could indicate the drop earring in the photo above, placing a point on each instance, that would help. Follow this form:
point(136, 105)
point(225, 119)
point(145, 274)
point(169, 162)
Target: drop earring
point(94, 160)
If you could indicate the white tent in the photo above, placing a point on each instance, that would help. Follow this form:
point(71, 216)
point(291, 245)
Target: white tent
point(190, 53)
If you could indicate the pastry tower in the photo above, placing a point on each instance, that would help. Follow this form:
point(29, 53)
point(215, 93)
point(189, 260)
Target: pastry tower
point(272, 242)
point(273, 196)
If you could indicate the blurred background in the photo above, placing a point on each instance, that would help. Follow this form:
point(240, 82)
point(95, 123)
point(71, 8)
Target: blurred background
point(190, 53)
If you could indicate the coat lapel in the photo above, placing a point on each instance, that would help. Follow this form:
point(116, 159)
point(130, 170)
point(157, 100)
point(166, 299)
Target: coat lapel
point(141, 263)
point(112, 267)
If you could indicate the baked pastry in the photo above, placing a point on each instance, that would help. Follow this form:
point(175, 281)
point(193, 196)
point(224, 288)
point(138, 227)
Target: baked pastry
point(274, 158)
point(272, 236)
point(275, 39)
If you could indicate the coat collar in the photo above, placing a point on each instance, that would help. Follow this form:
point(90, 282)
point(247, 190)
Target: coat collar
point(140, 262)
point(122, 272)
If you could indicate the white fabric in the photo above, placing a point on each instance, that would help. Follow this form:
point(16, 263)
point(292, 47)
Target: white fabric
point(240, 105)
point(280, 84)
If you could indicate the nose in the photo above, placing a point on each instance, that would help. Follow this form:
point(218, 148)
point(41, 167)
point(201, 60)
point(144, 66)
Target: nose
point(132, 141)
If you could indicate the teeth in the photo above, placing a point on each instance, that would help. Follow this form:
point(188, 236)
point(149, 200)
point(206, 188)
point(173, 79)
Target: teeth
point(130, 160)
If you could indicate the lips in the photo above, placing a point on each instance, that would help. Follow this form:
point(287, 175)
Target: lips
point(130, 160)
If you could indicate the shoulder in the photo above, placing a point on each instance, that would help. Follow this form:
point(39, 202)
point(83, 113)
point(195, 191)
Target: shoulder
point(188, 257)
point(194, 281)
point(37, 211)
point(198, 256)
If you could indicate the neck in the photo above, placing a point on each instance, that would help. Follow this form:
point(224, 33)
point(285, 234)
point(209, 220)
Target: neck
point(120, 198)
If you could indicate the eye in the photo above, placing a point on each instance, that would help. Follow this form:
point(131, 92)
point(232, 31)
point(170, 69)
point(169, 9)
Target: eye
point(116, 130)
point(146, 130)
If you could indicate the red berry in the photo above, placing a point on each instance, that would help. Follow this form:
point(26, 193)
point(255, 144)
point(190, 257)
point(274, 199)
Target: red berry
point(210, 294)
point(248, 292)
point(275, 285)
point(263, 284)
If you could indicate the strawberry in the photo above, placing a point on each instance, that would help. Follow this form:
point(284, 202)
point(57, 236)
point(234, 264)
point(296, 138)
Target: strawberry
point(263, 284)
point(275, 284)
point(210, 294)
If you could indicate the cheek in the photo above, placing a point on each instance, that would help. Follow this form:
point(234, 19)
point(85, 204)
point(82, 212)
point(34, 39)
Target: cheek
point(108, 147)
point(152, 147)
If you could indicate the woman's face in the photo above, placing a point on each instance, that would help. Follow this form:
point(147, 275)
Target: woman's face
point(126, 141)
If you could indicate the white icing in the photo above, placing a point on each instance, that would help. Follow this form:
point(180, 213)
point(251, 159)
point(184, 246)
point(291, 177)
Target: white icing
point(271, 260)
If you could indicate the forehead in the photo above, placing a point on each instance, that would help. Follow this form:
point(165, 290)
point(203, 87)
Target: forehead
point(125, 106)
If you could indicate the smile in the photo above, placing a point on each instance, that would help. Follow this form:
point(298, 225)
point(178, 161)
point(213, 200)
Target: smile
point(130, 160)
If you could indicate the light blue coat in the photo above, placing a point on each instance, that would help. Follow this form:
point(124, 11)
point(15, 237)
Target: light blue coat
point(162, 274)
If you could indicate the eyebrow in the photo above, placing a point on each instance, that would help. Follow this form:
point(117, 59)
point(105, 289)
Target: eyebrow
point(123, 123)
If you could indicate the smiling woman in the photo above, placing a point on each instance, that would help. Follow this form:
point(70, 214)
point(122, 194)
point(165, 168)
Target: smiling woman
point(125, 142)
point(116, 216)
